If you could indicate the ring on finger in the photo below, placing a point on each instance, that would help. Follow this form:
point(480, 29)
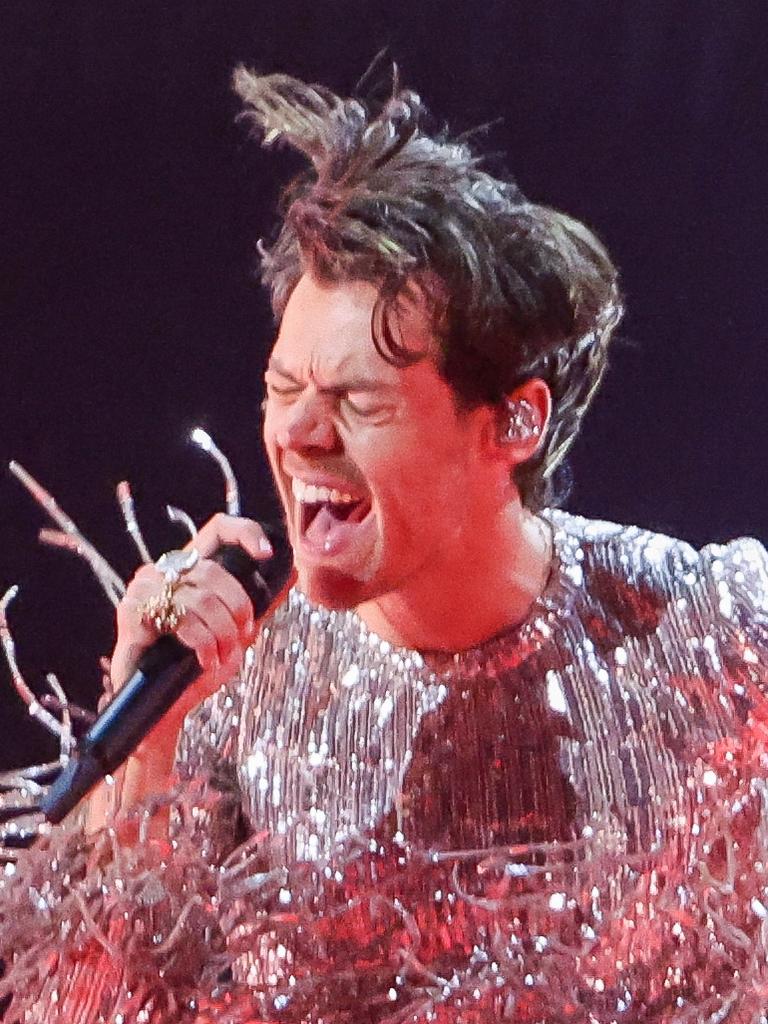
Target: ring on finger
point(175, 564)
point(162, 611)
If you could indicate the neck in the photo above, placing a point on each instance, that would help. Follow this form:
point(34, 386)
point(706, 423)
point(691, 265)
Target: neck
point(490, 589)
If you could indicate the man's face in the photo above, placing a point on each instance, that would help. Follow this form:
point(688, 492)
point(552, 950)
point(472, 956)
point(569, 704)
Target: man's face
point(376, 468)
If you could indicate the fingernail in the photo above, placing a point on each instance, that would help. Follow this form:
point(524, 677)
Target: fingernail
point(265, 546)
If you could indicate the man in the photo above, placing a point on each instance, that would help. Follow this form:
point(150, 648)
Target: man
point(440, 339)
point(484, 754)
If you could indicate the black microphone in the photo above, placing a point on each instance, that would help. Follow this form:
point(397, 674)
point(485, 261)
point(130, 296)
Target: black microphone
point(164, 672)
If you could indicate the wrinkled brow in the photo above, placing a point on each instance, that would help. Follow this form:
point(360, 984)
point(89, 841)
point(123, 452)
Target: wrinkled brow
point(353, 383)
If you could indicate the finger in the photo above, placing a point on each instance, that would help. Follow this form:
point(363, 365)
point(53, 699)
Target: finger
point(212, 578)
point(206, 627)
point(195, 633)
point(201, 599)
point(134, 636)
point(231, 611)
point(224, 529)
point(145, 575)
point(214, 614)
point(132, 626)
point(129, 612)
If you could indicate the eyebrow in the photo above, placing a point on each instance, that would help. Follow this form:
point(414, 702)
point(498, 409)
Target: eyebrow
point(351, 384)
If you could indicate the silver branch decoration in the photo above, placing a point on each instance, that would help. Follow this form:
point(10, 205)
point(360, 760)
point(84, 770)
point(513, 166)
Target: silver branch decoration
point(20, 790)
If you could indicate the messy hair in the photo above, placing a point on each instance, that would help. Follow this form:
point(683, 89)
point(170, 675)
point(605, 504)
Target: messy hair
point(524, 290)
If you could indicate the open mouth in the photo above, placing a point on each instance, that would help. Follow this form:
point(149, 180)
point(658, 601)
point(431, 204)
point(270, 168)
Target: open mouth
point(329, 512)
point(327, 517)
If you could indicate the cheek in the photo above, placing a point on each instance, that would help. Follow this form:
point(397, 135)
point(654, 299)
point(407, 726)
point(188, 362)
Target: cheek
point(269, 448)
point(413, 483)
point(269, 434)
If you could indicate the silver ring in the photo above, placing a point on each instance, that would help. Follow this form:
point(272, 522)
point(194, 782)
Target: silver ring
point(175, 564)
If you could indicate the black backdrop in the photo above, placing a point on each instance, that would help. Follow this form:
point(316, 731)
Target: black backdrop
point(131, 203)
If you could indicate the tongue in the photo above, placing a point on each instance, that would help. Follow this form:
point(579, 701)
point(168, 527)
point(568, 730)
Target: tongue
point(328, 529)
point(323, 525)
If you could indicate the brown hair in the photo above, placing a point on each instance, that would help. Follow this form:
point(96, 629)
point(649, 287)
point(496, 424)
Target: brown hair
point(525, 291)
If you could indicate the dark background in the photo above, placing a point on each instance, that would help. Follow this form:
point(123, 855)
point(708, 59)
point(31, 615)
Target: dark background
point(131, 203)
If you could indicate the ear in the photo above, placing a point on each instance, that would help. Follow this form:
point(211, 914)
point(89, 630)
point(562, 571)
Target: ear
point(522, 420)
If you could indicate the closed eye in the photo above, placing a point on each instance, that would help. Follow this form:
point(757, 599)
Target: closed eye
point(283, 391)
point(363, 408)
point(280, 382)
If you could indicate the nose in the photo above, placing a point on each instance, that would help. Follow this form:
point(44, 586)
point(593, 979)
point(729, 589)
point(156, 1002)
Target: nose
point(309, 426)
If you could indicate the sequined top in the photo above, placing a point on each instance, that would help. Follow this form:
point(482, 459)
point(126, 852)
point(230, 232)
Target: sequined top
point(564, 825)
point(584, 716)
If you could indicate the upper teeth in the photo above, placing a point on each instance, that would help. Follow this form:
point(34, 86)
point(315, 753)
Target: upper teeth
point(311, 495)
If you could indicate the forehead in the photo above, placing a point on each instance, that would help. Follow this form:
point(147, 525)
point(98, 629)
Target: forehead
point(326, 329)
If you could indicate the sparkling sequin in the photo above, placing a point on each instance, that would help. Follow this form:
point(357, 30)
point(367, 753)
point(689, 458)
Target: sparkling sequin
point(565, 824)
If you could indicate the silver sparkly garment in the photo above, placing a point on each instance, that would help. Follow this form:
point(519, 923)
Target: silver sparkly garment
point(586, 713)
point(565, 825)
point(595, 754)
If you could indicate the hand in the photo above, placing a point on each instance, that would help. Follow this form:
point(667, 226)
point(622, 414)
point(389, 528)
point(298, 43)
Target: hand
point(218, 623)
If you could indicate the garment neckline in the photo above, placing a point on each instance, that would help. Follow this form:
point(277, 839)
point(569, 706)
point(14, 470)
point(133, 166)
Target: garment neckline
point(546, 602)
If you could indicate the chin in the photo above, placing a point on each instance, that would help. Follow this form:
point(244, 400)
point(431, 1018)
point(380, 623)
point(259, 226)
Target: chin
point(333, 589)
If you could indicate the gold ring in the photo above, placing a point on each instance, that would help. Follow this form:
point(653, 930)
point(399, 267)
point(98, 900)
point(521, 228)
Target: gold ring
point(162, 612)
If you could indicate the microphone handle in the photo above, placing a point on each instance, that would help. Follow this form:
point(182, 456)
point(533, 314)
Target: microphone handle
point(162, 674)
